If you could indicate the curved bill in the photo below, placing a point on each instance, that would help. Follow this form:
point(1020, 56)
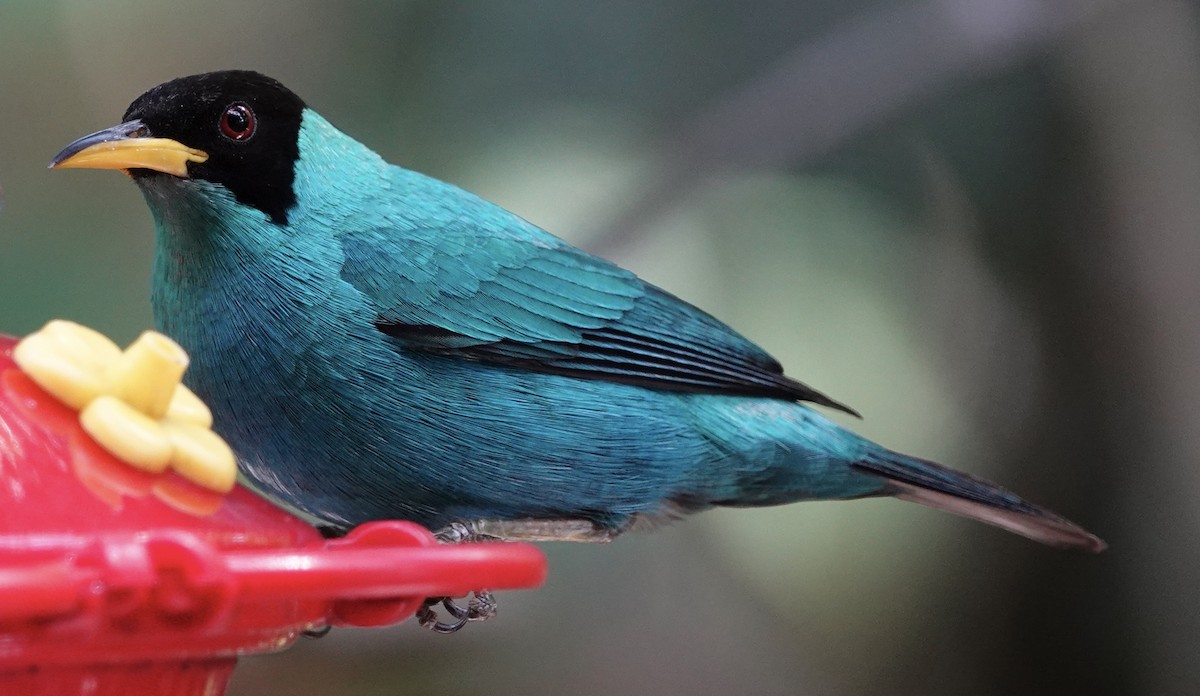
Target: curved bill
point(128, 146)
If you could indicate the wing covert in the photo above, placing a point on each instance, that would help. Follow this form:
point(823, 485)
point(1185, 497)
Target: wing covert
point(502, 291)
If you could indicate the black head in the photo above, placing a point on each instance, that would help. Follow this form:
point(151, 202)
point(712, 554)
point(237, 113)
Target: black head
point(236, 128)
point(247, 123)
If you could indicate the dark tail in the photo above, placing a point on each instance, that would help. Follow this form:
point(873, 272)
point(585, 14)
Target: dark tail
point(945, 489)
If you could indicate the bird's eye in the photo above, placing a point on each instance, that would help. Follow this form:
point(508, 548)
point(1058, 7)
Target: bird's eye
point(237, 122)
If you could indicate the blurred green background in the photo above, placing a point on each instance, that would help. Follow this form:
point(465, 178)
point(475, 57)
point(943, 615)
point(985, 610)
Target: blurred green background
point(977, 222)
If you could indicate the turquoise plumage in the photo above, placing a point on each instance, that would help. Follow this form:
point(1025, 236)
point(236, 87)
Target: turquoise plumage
point(375, 343)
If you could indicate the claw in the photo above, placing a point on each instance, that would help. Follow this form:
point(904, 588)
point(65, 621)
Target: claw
point(455, 610)
point(481, 607)
point(428, 618)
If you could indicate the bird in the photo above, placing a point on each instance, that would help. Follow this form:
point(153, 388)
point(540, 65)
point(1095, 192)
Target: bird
point(375, 343)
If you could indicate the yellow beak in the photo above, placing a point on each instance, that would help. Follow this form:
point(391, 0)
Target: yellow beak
point(128, 146)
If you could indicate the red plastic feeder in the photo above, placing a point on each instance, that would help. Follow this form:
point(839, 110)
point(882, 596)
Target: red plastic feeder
point(116, 581)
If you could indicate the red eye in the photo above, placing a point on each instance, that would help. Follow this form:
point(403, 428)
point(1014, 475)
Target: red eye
point(237, 122)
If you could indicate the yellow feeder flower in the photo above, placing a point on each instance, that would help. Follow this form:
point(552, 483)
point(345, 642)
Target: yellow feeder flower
point(131, 402)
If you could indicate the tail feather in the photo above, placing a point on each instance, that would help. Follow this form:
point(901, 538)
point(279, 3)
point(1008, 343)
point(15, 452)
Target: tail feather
point(935, 486)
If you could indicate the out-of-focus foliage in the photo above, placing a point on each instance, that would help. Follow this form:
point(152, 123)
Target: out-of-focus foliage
point(976, 222)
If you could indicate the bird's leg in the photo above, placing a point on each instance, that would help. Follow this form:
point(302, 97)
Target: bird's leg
point(482, 605)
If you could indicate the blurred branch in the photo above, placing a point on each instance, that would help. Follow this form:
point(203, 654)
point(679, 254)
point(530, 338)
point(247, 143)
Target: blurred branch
point(862, 74)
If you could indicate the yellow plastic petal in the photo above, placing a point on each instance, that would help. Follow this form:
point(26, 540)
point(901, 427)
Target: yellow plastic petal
point(66, 359)
point(201, 456)
point(186, 407)
point(83, 344)
point(127, 433)
point(69, 381)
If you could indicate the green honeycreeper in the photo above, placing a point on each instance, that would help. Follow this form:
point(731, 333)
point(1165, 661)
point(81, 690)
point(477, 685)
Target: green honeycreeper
point(375, 343)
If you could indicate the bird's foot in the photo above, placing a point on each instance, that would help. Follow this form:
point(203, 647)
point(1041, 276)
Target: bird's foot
point(481, 607)
point(462, 533)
